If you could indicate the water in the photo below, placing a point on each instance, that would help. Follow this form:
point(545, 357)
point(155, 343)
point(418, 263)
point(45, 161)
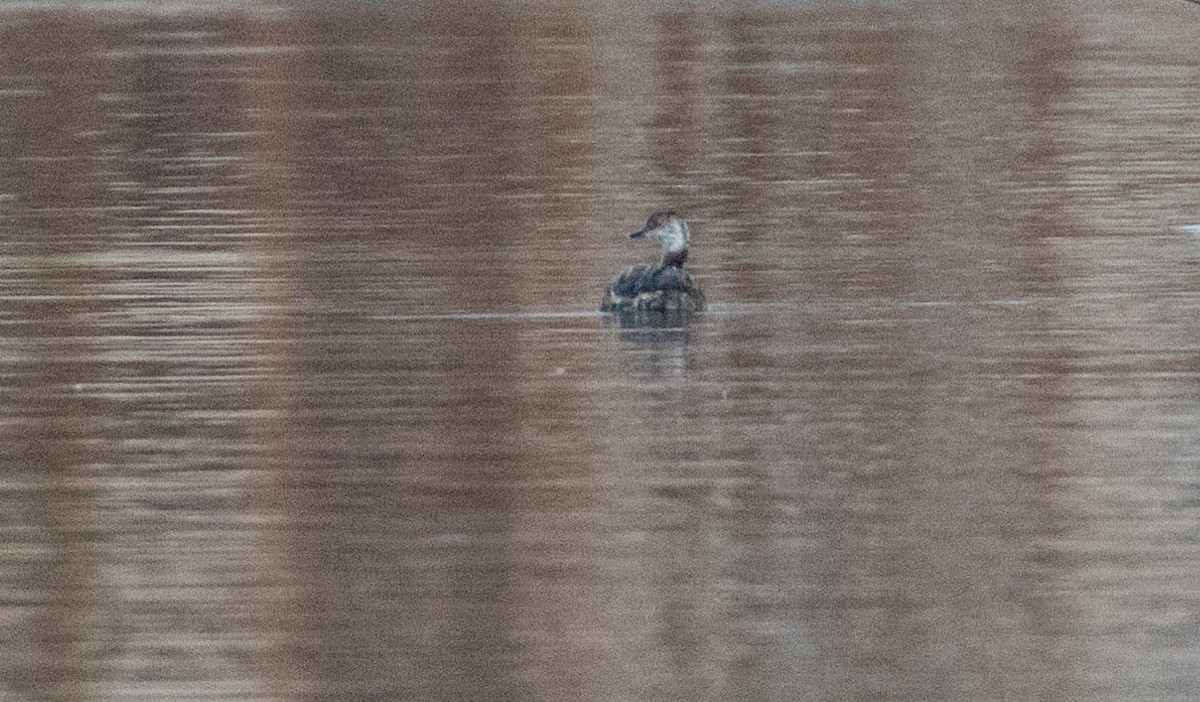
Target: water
point(303, 394)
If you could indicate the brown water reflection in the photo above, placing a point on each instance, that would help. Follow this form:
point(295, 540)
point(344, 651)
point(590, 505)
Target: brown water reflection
point(304, 396)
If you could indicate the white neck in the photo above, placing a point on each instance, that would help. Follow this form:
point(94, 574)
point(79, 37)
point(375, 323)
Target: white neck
point(673, 235)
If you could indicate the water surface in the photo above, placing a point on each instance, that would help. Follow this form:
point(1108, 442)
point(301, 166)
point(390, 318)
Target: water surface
point(303, 394)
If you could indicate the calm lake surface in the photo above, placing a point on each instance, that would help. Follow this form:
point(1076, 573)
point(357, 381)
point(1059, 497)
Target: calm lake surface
point(303, 394)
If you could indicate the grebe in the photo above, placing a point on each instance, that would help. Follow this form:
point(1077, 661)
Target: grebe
point(665, 288)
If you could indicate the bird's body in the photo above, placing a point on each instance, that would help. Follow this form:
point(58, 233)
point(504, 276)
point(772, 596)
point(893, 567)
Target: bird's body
point(666, 288)
point(653, 289)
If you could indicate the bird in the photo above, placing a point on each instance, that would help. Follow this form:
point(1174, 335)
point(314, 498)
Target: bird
point(664, 289)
